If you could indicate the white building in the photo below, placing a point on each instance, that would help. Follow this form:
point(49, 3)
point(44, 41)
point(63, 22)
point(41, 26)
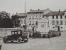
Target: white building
point(56, 18)
point(34, 15)
point(43, 26)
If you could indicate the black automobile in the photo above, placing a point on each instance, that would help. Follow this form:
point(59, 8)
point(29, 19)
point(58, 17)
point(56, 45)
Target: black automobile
point(18, 35)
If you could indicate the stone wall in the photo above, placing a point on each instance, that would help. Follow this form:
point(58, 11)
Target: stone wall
point(6, 31)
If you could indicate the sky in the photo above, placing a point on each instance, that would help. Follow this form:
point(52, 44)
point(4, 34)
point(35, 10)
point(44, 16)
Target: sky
point(13, 6)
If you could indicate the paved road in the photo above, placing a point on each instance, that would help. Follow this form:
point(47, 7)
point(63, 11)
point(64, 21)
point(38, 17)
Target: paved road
point(54, 43)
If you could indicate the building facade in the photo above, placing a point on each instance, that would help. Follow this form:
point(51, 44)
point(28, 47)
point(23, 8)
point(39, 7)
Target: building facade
point(56, 18)
point(34, 15)
point(43, 26)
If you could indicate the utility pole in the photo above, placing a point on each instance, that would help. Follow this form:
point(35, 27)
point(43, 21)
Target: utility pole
point(25, 15)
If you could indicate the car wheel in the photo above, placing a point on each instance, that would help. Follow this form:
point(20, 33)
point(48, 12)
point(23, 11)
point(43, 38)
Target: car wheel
point(26, 40)
point(19, 40)
point(49, 35)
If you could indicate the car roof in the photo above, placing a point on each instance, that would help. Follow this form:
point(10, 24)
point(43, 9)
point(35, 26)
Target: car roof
point(16, 30)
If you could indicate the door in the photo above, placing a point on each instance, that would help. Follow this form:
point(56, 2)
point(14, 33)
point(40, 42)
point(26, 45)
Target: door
point(58, 28)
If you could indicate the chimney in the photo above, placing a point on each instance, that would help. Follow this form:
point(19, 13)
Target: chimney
point(16, 13)
point(59, 10)
point(30, 9)
point(47, 8)
point(38, 9)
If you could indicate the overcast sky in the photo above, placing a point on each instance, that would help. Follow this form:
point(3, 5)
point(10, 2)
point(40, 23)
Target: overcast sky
point(13, 6)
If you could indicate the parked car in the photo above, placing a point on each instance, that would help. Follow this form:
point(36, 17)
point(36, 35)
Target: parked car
point(18, 35)
point(52, 33)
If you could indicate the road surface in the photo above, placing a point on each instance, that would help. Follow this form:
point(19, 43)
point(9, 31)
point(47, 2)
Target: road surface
point(54, 43)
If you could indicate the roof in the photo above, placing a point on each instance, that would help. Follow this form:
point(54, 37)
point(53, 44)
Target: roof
point(65, 10)
point(54, 13)
point(37, 11)
point(21, 15)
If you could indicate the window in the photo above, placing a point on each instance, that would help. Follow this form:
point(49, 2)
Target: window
point(42, 25)
point(53, 27)
point(53, 17)
point(53, 22)
point(61, 22)
point(33, 23)
point(18, 32)
point(36, 17)
point(15, 32)
point(61, 27)
point(57, 22)
point(56, 16)
point(65, 16)
point(29, 18)
point(30, 23)
point(33, 18)
point(61, 17)
point(39, 17)
point(12, 33)
point(36, 22)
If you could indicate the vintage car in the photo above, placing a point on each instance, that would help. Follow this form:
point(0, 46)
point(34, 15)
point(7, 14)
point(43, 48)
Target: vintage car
point(52, 33)
point(18, 35)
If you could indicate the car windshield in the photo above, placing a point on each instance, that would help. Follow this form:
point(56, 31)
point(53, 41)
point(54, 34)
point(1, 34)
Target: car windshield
point(12, 33)
point(18, 32)
point(15, 33)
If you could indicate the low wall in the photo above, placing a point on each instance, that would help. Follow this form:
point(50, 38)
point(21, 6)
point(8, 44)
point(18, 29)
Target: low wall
point(6, 31)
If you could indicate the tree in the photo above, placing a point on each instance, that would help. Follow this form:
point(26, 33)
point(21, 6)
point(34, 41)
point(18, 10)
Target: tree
point(16, 21)
point(6, 23)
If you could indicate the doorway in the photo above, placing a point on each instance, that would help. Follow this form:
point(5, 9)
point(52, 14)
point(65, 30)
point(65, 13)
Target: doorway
point(58, 28)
